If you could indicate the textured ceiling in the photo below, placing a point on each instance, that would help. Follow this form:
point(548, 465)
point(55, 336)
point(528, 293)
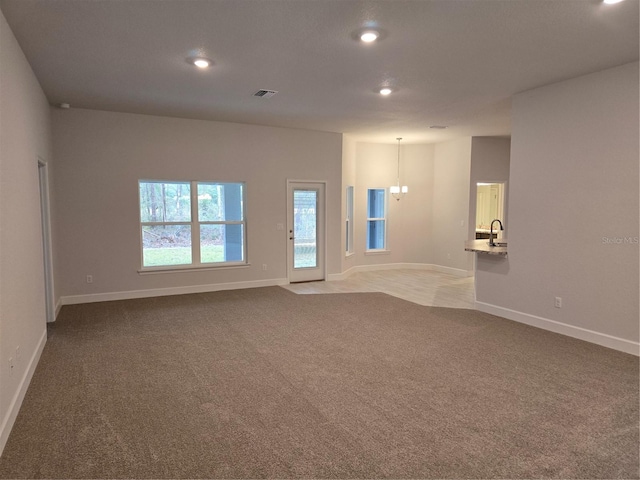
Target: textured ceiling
point(453, 62)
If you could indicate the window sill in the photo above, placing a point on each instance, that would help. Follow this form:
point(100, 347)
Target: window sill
point(349, 254)
point(377, 252)
point(189, 268)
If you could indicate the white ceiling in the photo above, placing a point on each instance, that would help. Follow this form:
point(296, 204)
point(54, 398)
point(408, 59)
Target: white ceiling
point(454, 62)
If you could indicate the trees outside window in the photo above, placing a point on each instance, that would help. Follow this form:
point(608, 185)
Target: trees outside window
point(192, 223)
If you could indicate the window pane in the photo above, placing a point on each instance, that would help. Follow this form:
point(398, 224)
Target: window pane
point(305, 253)
point(376, 203)
point(218, 202)
point(221, 243)
point(166, 245)
point(165, 202)
point(348, 238)
point(349, 218)
point(375, 234)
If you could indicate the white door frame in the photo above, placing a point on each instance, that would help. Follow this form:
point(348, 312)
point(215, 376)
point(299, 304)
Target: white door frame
point(321, 231)
point(45, 219)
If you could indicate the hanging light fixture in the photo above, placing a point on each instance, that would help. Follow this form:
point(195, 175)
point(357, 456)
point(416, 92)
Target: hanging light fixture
point(398, 191)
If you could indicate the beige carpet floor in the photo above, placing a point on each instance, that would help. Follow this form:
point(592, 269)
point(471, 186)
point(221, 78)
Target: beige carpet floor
point(264, 383)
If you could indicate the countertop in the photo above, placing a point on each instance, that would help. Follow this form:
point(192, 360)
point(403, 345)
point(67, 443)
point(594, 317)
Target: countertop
point(482, 246)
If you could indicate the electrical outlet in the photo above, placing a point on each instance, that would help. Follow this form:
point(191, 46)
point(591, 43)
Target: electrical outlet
point(89, 278)
point(264, 267)
point(279, 226)
point(558, 303)
point(448, 255)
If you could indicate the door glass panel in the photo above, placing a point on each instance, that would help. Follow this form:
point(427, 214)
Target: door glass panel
point(304, 228)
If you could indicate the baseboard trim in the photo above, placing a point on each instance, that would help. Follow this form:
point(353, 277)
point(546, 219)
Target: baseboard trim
point(16, 401)
point(58, 307)
point(394, 266)
point(609, 341)
point(458, 272)
point(161, 292)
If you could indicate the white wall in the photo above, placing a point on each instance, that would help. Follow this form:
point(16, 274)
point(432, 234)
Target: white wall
point(376, 167)
point(573, 185)
point(24, 136)
point(409, 219)
point(450, 225)
point(490, 160)
point(417, 172)
point(100, 156)
point(429, 225)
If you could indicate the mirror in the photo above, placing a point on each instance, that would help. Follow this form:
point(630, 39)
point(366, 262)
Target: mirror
point(489, 206)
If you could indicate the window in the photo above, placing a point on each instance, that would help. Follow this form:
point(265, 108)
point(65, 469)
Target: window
point(376, 219)
point(173, 214)
point(349, 221)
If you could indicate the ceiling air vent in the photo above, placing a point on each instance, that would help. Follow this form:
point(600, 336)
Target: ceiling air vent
point(265, 93)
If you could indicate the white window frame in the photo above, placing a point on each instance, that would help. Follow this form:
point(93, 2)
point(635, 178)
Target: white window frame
point(195, 224)
point(383, 218)
point(349, 221)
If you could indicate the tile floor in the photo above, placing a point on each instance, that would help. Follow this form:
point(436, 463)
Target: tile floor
point(424, 287)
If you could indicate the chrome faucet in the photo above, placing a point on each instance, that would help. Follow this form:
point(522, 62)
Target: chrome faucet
point(492, 242)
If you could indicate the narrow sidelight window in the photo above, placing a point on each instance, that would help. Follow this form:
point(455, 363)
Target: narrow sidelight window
point(349, 221)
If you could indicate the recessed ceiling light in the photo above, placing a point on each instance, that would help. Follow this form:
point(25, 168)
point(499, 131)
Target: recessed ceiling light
point(200, 62)
point(368, 36)
point(611, 2)
point(385, 91)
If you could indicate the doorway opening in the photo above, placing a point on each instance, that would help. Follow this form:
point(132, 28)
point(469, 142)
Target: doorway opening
point(490, 204)
point(45, 219)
